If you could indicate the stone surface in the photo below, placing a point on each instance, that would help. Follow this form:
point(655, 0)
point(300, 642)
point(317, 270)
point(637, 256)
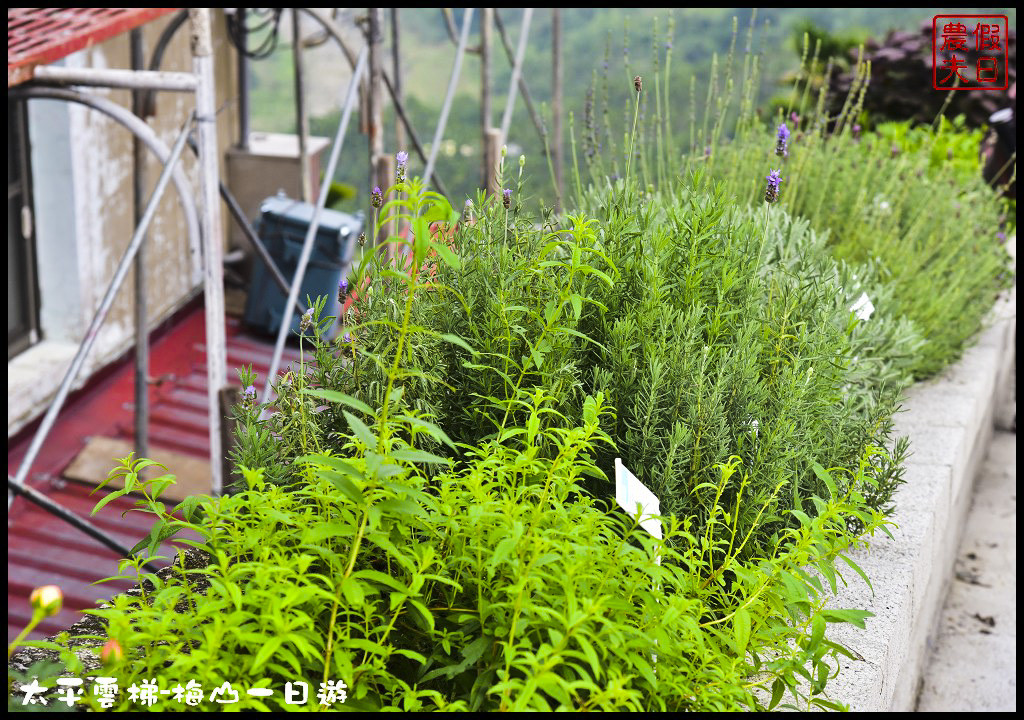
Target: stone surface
point(973, 661)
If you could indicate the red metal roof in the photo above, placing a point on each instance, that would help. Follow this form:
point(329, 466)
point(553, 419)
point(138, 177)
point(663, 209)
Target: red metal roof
point(44, 550)
point(37, 36)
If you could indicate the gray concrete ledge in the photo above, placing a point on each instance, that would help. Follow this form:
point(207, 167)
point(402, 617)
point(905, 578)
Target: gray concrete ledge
point(950, 421)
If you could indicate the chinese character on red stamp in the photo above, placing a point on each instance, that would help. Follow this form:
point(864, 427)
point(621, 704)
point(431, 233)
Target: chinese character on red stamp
point(970, 52)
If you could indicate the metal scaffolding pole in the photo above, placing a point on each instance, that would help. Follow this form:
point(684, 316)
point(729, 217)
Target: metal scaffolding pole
point(141, 321)
point(301, 116)
point(331, 29)
point(314, 225)
point(101, 314)
point(453, 81)
point(213, 243)
point(517, 70)
point(112, 78)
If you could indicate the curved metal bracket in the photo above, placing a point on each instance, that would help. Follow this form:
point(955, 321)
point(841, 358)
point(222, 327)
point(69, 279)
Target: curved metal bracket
point(141, 130)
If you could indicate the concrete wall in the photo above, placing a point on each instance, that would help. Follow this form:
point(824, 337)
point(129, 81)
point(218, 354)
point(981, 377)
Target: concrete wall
point(82, 180)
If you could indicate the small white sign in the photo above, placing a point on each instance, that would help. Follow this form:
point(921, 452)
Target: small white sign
point(633, 495)
point(863, 307)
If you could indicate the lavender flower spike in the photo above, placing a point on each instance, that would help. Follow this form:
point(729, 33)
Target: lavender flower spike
point(506, 198)
point(342, 290)
point(782, 139)
point(402, 159)
point(377, 197)
point(771, 191)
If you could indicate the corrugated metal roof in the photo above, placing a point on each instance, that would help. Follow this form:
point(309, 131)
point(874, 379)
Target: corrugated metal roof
point(44, 550)
point(37, 36)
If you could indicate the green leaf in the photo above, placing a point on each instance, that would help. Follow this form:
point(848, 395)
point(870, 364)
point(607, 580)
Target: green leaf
point(857, 569)
point(352, 591)
point(852, 616)
point(446, 254)
point(412, 455)
point(431, 429)
point(360, 430)
point(340, 397)
point(817, 632)
point(266, 650)
point(741, 630)
point(456, 340)
point(778, 687)
point(112, 496)
point(824, 476)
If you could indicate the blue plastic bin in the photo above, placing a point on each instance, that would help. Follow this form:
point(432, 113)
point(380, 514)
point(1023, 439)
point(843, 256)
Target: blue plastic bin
point(282, 226)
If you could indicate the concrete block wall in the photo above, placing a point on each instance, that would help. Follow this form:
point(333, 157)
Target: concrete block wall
point(949, 420)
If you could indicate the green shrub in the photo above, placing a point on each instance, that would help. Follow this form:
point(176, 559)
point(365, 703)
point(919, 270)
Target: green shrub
point(499, 586)
point(704, 350)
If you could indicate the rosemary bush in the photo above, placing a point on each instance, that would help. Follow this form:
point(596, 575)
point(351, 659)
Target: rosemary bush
point(711, 333)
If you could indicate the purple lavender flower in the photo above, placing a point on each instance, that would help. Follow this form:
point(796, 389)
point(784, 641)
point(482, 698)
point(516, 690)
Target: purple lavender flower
point(771, 191)
point(895, 150)
point(347, 338)
point(1001, 236)
point(249, 396)
point(781, 139)
point(794, 118)
point(342, 290)
point(402, 159)
point(377, 197)
point(307, 320)
point(856, 131)
point(506, 198)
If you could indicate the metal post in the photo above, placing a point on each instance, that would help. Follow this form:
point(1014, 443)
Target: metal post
point(486, 113)
point(301, 118)
point(114, 78)
point(510, 104)
point(54, 508)
point(101, 314)
point(213, 244)
point(141, 321)
point(523, 88)
point(314, 225)
point(557, 145)
point(396, 68)
point(492, 156)
point(375, 128)
point(243, 85)
point(453, 81)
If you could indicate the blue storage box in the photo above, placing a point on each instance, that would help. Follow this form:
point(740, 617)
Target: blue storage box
point(282, 226)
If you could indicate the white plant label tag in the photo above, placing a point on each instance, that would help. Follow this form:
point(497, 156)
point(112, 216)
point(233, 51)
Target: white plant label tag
point(863, 307)
point(630, 494)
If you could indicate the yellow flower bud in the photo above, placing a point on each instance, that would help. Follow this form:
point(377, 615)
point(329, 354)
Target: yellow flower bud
point(47, 599)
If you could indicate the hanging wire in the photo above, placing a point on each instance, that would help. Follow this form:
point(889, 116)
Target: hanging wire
point(240, 31)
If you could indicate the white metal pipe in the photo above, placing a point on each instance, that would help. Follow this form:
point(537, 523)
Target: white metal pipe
point(101, 314)
point(213, 240)
point(314, 225)
point(467, 20)
point(517, 69)
point(116, 78)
